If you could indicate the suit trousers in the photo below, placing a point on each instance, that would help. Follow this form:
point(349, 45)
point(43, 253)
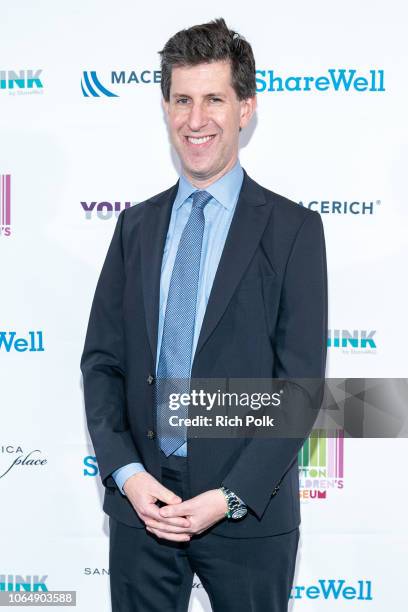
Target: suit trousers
point(150, 574)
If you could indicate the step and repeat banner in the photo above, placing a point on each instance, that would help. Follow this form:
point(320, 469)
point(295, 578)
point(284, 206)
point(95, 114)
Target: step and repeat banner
point(83, 136)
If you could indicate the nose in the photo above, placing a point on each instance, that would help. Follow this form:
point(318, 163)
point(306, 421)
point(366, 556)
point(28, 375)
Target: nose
point(198, 117)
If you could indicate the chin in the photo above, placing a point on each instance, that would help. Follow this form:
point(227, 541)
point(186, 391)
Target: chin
point(198, 169)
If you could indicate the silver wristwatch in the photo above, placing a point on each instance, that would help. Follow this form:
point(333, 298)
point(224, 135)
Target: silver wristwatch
point(236, 507)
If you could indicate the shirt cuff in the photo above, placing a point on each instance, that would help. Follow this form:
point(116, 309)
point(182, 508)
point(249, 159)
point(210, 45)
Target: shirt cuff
point(123, 473)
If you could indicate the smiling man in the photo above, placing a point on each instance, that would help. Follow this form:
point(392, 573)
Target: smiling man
point(216, 278)
point(204, 118)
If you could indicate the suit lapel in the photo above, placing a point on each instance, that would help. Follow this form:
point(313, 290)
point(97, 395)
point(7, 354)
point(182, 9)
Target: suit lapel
point(247, 226)
point(154, 231)
point(246, 229)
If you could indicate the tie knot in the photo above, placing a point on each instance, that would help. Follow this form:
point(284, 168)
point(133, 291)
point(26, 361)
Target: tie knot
point(201, 198)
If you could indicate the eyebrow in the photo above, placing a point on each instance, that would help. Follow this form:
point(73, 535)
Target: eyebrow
point(209, 95)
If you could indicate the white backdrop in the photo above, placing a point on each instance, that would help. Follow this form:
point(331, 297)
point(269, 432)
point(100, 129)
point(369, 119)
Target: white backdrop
point(66, 152)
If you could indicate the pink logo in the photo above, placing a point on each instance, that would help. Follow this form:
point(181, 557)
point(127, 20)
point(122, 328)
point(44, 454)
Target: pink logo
point(321, 464)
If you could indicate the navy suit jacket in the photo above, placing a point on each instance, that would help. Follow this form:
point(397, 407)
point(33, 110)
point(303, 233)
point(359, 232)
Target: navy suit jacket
point(266, 317)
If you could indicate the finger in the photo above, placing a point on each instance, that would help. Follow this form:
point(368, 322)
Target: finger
point(182, 509)
point(175, 537)
point(153, 512)
point(152, 524)
point(165, 495)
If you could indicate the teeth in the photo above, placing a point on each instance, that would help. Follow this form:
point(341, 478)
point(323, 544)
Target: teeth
point(199, 140)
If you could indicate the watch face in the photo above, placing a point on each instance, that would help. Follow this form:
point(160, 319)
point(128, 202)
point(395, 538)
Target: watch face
point(239, 512)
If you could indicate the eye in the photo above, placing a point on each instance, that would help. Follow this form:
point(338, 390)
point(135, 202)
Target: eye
point(182, 100)
point(216, 99)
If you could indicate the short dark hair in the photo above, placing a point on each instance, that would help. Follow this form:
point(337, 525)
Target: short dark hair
point(210, 42)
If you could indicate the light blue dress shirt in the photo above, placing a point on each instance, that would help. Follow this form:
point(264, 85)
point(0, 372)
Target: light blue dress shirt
point(218, 215)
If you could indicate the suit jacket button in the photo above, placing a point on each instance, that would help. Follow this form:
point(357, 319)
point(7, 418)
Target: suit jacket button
point(151, 434)
point(150, 379)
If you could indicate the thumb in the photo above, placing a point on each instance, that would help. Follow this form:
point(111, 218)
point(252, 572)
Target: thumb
point(167, 496)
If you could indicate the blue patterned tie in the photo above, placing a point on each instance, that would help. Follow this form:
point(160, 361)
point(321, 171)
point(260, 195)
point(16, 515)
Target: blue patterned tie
point(173, 370)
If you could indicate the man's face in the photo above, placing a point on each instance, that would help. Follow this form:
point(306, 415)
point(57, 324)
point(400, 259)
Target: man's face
point(204, 116)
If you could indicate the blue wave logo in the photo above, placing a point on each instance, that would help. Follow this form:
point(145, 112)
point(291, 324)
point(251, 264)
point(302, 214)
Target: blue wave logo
point(91, 86)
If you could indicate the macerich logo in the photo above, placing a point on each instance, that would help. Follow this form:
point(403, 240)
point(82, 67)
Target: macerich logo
point(92, 86)
point(337, 207)
point(28, 584)
point(357, 341)
point(334, 589)
point(337, 79)
point(104, 210)
point(5, 204)
point(321, 464)
point(21, 81)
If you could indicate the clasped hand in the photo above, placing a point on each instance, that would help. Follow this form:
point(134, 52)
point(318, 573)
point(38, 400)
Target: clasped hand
point(177, 520)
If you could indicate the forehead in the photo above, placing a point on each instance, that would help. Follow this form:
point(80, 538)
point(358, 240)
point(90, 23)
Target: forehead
point(202, 78)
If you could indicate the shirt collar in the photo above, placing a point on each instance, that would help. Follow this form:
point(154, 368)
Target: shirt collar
point(225, 190)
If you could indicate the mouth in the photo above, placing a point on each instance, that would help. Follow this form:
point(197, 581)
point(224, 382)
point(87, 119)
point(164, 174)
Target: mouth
point(199, 142)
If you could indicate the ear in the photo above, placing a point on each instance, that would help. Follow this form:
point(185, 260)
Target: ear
point(248, 107)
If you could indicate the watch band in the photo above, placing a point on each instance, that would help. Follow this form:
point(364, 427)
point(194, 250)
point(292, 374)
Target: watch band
point(236, 507)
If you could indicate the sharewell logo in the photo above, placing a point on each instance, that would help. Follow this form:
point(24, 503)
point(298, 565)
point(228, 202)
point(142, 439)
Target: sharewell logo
point(9, 341)
point(321, 464)
point(5, 204)
point(338, 79)
point(90, 466)
point(334, 589)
